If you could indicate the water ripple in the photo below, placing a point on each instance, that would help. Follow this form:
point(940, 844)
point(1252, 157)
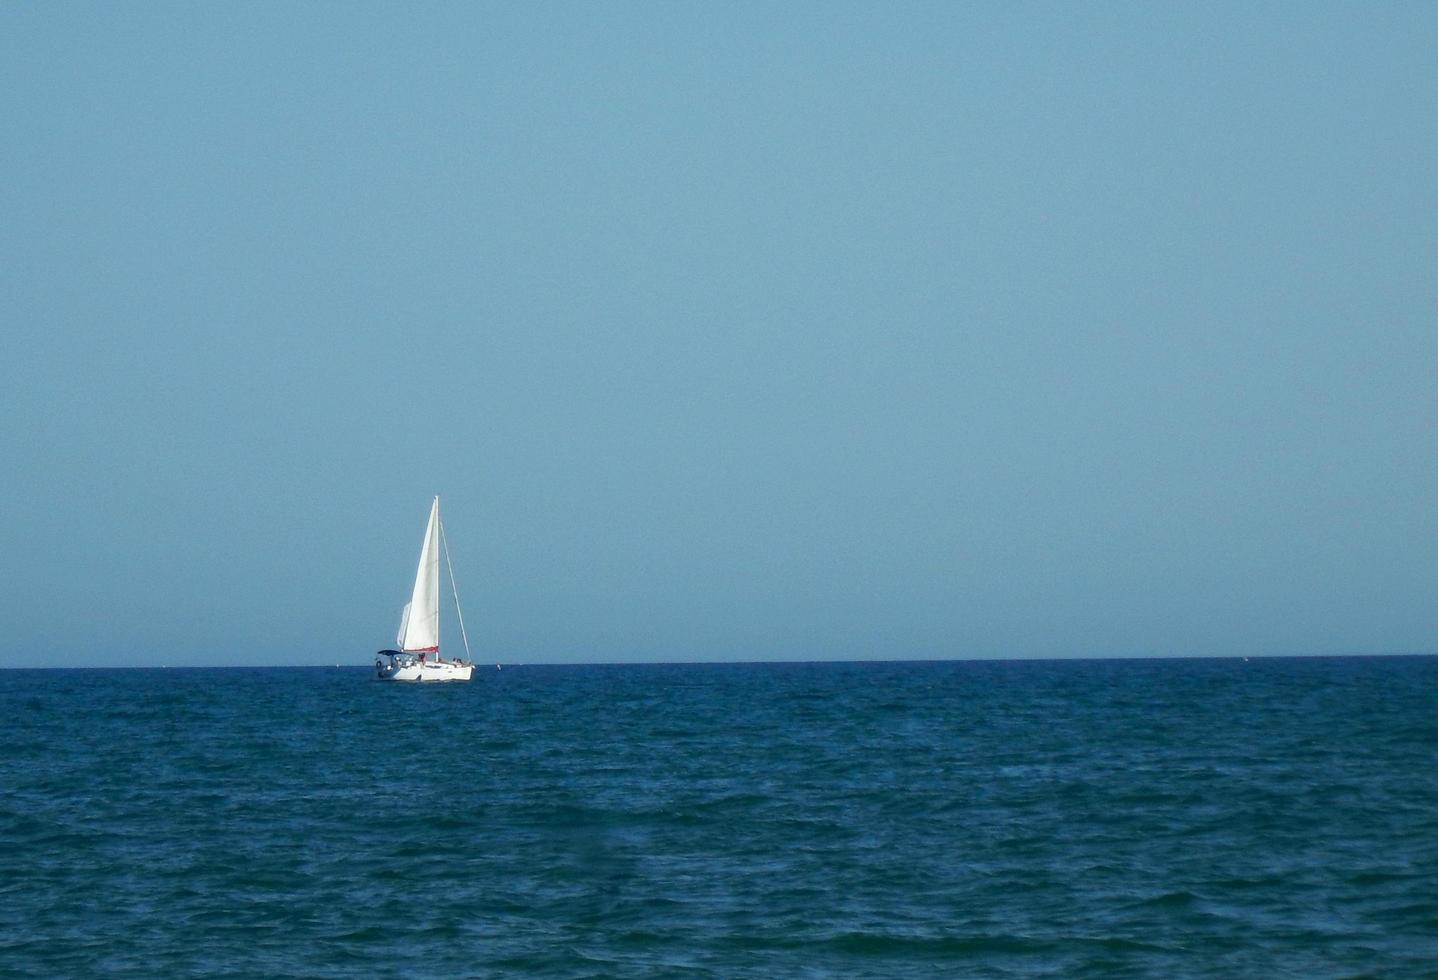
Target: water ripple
point(1090, 819)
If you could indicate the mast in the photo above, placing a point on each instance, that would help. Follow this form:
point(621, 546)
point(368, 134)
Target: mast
point(437, 525)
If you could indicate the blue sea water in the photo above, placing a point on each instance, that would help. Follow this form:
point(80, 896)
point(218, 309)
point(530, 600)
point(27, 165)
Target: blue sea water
point(1157, 818)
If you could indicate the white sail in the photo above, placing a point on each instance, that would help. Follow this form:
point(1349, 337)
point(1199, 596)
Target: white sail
point(403, 625)
point(419, 633)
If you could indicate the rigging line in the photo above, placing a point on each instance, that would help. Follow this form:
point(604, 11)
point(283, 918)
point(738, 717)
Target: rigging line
point(444, 542)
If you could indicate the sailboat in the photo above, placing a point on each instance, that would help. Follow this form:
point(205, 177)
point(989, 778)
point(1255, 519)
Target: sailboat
point(418, 657)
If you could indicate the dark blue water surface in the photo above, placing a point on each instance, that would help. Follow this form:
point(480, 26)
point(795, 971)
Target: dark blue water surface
point(1160, 818)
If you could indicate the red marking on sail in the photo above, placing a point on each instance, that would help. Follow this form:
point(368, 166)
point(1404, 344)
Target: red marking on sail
point(421, 649)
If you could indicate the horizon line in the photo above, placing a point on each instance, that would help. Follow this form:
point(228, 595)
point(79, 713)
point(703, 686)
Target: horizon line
point(741, 663)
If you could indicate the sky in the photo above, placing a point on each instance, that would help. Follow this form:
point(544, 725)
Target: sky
point(737, 331)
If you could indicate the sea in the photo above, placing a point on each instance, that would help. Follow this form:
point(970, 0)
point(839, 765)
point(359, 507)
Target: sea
point(1169, 818)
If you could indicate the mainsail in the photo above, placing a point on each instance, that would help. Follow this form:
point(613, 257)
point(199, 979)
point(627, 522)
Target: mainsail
point(419, 628)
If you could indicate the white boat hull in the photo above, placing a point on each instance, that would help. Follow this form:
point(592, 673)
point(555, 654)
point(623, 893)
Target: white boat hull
point(427, 672)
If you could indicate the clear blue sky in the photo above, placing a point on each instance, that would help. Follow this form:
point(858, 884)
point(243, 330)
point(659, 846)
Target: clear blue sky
point(726, 331)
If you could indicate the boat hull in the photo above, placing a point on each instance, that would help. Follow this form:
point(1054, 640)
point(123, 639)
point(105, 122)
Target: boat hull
point(415, 672)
